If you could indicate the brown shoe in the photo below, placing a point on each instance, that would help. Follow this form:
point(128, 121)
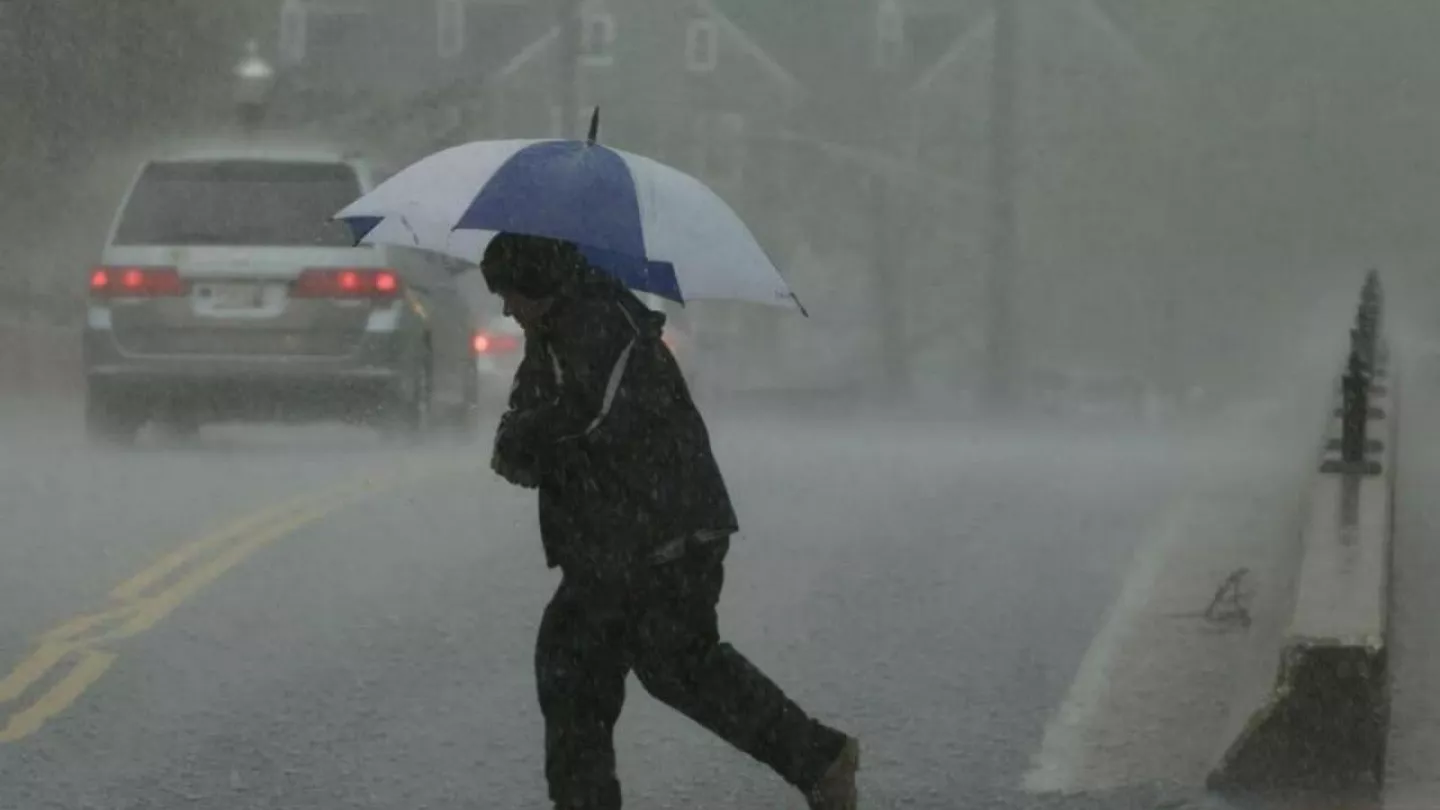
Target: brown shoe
point(836, 788)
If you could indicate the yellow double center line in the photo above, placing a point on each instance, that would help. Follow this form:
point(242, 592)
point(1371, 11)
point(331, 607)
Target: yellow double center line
point(137, 605)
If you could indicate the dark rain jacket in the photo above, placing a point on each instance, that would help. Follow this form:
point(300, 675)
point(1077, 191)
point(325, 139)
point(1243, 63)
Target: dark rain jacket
point(601, 421)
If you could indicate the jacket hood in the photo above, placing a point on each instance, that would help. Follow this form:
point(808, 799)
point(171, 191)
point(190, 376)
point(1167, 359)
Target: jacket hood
point(533, 266)
point(537, 267)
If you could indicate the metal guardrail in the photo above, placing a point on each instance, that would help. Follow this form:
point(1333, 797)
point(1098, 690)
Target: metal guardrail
point(1365, 369)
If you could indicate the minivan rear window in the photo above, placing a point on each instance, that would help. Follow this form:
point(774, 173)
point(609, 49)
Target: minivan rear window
point(239, 203)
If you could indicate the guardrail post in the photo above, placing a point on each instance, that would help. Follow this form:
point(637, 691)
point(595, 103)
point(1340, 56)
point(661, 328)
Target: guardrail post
point(1355, 405)
point(1373, 303)
point(1364, 364)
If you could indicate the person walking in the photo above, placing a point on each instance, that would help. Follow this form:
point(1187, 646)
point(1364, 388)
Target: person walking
point(635, 513)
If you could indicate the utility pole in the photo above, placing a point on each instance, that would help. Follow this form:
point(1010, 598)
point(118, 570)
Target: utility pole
point(1004, 257)
point(567, 19)
point(887, 275)
point(254, 87)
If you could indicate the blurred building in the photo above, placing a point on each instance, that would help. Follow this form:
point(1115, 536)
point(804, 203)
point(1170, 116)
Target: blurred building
point(850, 133)
point(1184, 169)
point(680, 82)
point(899, 91)
point(403, 74)
point(81, 81)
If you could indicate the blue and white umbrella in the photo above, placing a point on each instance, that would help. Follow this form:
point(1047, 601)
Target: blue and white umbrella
point(657, 229)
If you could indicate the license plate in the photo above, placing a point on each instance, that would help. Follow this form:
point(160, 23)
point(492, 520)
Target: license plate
point(233, 296)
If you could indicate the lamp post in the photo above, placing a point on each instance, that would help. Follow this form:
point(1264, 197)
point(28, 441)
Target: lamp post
point(1003, 247)
point(254, 83)
point(567, 78)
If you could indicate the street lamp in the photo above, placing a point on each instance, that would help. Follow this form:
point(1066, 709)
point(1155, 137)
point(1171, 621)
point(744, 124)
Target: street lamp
point(254, 82)
point(1003, 236)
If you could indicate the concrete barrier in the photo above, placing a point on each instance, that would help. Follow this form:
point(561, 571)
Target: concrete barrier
point(1322, 723)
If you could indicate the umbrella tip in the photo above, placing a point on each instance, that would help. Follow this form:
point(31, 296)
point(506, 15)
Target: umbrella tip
point(594, 126)
point(798, 305)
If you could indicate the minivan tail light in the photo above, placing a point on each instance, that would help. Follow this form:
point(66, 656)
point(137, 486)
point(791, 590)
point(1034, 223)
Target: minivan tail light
point(136, 282)
point(346, 282)
point(486, 343)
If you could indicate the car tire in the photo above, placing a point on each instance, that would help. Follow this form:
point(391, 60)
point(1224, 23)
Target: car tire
point(466, 419)
point(108, 421)
point(181, 427)
point(407, 416)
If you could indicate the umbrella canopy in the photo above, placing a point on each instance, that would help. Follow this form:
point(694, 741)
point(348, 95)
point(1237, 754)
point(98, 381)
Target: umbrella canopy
point(654, 227)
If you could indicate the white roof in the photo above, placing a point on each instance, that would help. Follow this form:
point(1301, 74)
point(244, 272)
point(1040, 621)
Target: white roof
point(288, 150)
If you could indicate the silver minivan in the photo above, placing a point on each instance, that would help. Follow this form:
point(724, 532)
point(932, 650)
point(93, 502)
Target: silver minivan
point(225, 293)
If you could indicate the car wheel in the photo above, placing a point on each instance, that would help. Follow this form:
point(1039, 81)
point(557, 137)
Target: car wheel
point(408, 416)
point(466, 421)
point(108, 421)
point(182, 427)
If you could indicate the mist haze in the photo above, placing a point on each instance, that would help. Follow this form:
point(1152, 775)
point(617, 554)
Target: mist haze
point(1078, 278)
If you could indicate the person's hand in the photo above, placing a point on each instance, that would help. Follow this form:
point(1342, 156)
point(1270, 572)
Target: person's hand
point(516, 474)
point(512, 459)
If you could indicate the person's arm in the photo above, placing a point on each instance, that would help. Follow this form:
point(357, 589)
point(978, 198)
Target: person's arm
point(534, 384)
point(596, 347)
point(518, 453)
point(586, 356)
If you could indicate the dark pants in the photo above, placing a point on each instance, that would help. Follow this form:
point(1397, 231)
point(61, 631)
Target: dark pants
point(660, 622)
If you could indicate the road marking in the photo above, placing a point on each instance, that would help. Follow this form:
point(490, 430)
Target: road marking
point(157, 607)
point(136, 585)
point(87, 670)
point(83, 638)
point(1063, 752)
point(79, 626)
point(32, 669)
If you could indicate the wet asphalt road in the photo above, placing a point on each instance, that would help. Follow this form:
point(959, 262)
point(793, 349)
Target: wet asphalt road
point(931, 589)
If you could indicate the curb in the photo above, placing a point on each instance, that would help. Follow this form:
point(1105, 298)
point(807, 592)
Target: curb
point(1323, 722)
